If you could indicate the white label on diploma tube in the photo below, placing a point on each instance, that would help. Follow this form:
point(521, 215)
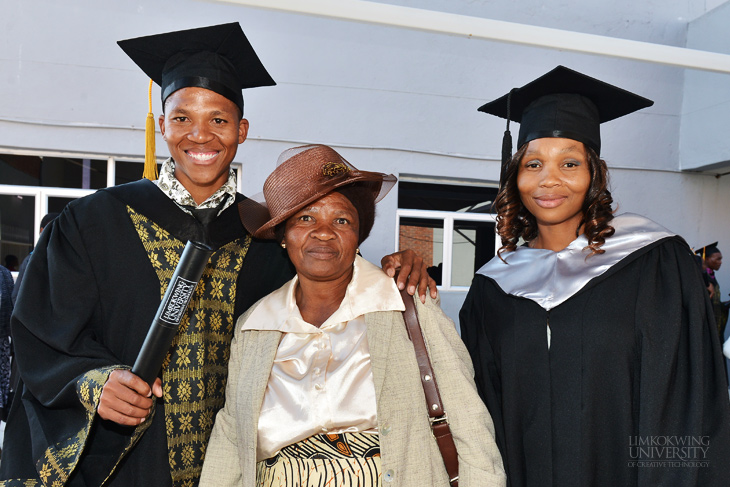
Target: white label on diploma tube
point(177, 301)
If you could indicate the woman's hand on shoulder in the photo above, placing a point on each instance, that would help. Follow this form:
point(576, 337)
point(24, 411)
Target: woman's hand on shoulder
point(411, 271)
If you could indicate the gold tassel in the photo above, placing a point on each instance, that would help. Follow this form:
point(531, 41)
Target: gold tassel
point(150, 161)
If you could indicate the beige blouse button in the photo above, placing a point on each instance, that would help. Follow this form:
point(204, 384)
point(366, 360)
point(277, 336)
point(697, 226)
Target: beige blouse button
point(318, 386)
point(389, 476)
point(316, 371)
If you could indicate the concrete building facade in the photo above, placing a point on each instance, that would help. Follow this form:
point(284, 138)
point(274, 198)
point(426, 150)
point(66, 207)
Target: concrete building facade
point(73, 106)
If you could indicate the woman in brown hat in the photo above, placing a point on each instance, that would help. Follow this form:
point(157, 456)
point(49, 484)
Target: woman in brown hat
point(324, 386)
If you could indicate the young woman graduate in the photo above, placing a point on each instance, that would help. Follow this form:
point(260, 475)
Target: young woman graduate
point(593, 342)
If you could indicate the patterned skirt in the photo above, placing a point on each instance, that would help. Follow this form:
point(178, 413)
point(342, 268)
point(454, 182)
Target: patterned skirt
point(340, 460)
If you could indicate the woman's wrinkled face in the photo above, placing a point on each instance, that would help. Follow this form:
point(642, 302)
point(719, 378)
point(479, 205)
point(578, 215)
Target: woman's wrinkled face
point(321, 239)
point(553, 179)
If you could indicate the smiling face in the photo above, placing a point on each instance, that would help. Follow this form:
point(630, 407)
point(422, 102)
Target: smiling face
point(321, 239)
point(202, 130)
point(553, 179)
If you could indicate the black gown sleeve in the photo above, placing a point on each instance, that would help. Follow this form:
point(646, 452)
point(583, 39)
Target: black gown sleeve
point(61, 360)
point(473, 319)
point(683, 396)
point(54, 343)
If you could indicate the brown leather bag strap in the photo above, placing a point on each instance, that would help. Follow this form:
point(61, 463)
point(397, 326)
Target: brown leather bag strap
point(437, 415)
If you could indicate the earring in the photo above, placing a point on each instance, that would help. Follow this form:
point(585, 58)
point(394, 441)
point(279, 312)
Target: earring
point(357, 251)
point(283, 245)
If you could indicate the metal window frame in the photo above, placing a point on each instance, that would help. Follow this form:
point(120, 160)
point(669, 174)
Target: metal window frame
point(42, 193)
point(448, 218)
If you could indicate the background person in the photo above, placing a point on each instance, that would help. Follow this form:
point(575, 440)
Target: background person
point(11, 262)
point(595, 336)
point(711, 262)
point(6, 310)
point(324, 387)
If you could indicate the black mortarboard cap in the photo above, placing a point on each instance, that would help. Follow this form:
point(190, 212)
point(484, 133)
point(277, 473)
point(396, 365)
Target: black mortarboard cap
point(218, 58)
point(563, 103)
point(707, 250)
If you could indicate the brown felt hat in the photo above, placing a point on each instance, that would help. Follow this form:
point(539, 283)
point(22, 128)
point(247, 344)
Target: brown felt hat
point(303, 175)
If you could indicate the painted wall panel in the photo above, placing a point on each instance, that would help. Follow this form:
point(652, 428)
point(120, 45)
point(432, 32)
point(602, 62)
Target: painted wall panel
point(389, 99)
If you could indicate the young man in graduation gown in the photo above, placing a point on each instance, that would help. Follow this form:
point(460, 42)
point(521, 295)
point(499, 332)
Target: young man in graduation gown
point(98, 274)
point(599, 369)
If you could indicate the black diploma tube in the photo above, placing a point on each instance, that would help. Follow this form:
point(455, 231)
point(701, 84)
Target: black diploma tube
point(171, 311)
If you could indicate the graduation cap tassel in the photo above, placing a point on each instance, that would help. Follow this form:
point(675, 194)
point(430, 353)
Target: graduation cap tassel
point(506, 143)
point(150, 161)
point(506, 154)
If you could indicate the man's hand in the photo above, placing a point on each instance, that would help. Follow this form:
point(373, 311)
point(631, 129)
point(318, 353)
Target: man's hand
point(411, 272)
point(126, 399)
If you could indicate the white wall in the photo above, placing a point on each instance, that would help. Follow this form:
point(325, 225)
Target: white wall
point(342, 82)
point(706, 109)
point(389, 99)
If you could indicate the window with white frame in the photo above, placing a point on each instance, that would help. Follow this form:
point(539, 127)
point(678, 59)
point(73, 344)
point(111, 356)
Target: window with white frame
point(450, 225)
point(33, 183)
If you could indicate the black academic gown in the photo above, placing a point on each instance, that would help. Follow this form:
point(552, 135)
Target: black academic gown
point(88, 298)
point(633, 358)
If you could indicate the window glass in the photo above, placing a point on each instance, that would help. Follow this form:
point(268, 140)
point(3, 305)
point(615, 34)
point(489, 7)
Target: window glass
point(126, 172)
point(473, 246)
point(425, 237)
point(56, 204)
point(57, 172)
point(452, 221)
point(16, 229)
point(446, 197)
point(20, 170)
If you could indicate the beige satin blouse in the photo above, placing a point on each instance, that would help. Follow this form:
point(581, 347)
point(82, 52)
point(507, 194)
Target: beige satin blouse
point(321, 380)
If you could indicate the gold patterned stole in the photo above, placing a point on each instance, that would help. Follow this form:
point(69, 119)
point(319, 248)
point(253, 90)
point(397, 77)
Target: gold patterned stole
point(195, 370)
point(60, 459)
